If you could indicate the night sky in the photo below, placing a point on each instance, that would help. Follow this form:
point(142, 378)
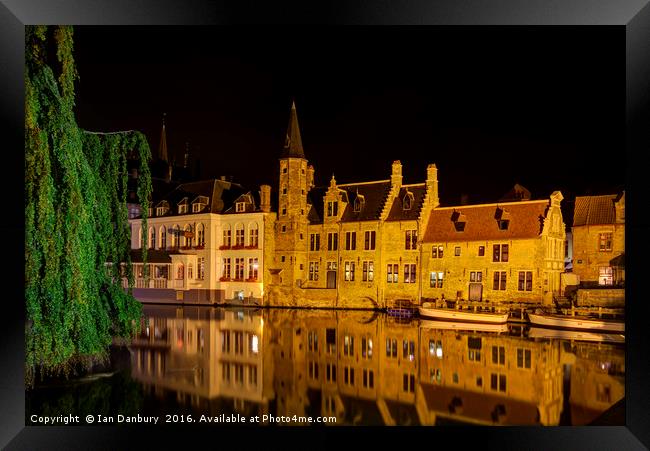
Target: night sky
point(542, 106)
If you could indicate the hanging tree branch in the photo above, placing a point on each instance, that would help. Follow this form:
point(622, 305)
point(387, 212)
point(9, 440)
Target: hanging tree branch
point(76, 217)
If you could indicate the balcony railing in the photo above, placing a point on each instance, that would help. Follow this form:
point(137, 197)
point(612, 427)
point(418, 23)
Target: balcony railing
point(143, 283)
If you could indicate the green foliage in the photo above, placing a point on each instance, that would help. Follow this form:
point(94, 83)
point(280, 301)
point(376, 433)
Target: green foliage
point(75, 215)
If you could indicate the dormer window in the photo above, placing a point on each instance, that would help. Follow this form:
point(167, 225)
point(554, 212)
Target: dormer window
point(182, 206)
point(358, 203)
point(407, 202)
point(162, 208)
point(332, 208)
point(199, 204)
point(503, 219)
point(459, 221)
point(240, 207)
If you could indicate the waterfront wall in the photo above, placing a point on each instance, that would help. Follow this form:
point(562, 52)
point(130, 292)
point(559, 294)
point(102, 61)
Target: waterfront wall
point(601, 297)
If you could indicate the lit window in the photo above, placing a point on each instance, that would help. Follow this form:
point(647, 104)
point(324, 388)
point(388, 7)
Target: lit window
point(605, 275)
point(313, 271)
point(409, 273)
point(436, 279)
point(240, 207)
point(392, 273)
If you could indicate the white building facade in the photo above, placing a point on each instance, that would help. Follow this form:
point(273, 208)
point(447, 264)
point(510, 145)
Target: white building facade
point(197, 255)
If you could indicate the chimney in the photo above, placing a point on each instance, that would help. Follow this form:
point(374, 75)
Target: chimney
point(265, 198)
point(396, 175)
point(310, 177)
point(432, 185)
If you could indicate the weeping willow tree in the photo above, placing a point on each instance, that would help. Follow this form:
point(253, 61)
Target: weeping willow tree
point(75, 216)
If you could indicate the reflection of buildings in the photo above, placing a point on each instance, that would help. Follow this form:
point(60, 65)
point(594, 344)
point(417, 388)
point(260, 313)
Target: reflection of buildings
point(490, 378)
point(366, 368)
point(204, 356)
point(597, 380)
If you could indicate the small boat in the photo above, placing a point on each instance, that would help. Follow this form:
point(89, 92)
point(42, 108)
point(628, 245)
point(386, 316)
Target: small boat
point(545, 319)
point(456, 325)
point(451, 314)
point(579, 335)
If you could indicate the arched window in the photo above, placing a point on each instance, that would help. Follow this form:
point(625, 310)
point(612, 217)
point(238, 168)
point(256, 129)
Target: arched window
point(200, 234)
point(180, 271)
point(239, 234)
point(152, 238)
point(187, 242)
point(175, 238)
point(227, 236)
point(163, 237)
point(253, 235)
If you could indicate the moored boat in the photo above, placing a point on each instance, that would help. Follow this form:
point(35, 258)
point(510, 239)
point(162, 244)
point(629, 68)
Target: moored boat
point(579, 335)
point(544, 319)
point(458, 325)
point(451, 314)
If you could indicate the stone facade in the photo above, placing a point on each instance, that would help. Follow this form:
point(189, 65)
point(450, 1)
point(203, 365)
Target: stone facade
point(478, 253)
point(599, 239)
point(359, 245)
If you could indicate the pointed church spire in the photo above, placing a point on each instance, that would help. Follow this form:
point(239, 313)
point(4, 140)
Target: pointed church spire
point(293, 142)
point(162, 148)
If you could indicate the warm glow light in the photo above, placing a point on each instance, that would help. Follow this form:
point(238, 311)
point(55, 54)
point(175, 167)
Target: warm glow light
point(254, 342)
point(439, 352)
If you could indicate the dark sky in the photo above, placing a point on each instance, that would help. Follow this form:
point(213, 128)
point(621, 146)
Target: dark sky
point(491, 106)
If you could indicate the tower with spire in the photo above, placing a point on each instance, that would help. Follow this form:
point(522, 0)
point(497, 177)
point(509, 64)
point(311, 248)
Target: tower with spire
point(295, 180)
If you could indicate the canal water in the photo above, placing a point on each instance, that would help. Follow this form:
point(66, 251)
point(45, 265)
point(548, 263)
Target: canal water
point(284, 366)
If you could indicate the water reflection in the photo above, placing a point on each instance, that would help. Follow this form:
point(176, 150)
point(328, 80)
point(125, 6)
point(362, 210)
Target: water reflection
point(367, 368)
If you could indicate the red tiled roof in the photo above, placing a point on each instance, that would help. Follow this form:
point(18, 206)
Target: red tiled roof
point(594, 210)
point(526, 221)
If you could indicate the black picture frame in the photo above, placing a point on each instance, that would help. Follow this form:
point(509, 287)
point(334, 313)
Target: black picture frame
point(634, 16)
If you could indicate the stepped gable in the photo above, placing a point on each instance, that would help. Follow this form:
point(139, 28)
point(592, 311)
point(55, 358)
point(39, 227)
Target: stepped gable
point(397, 211)
point(372, 197)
